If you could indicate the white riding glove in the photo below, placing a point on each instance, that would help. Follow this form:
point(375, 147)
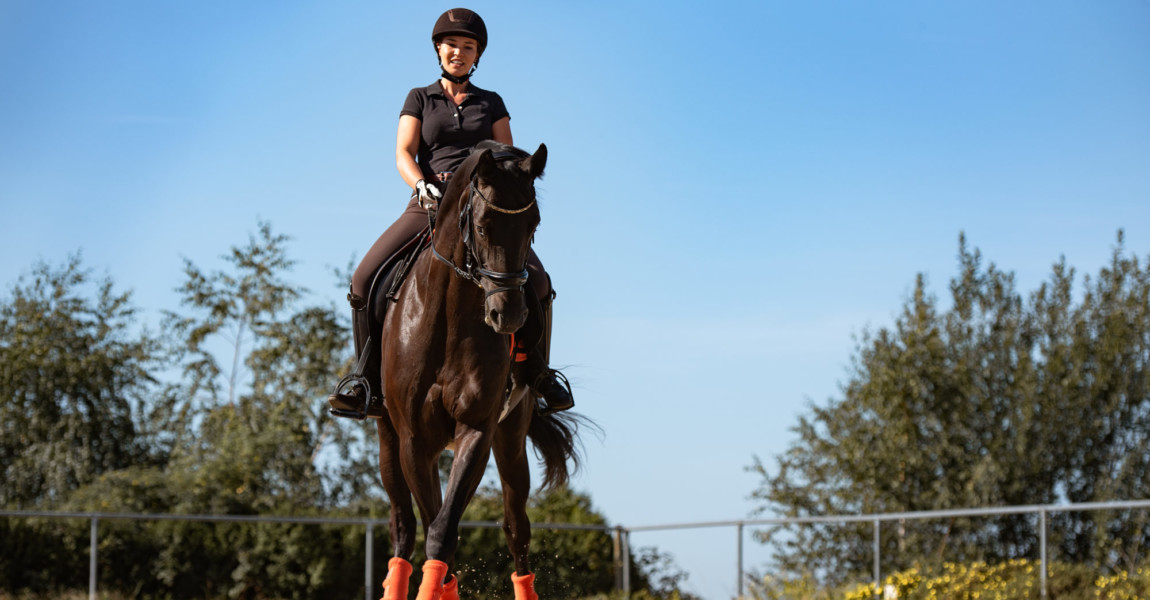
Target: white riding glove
point(428, 195)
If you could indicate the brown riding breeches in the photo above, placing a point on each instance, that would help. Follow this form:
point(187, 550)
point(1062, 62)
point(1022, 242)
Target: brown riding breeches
point(406, 227)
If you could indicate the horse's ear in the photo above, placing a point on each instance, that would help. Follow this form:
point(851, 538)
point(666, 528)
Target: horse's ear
point(485, 163)
point(534, 164)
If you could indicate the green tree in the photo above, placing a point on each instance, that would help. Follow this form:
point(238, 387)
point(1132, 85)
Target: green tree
point(1100, 375)
point(73, 371)
point(996, 401)
point(263, 442)
point(259, 417)
point(245, 431)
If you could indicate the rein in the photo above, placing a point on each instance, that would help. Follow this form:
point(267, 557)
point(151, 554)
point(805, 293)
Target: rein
point(473, 270)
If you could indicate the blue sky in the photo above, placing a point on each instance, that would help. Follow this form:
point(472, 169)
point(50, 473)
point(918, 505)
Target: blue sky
point(734, 189)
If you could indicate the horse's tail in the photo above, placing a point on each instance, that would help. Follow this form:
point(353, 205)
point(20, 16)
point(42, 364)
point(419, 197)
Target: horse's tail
point(556, 439)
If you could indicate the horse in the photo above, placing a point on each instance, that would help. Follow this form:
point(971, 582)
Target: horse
point(447, 353)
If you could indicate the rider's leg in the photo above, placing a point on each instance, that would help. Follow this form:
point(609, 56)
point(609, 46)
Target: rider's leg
point(352, 400)
point(412, 221)
point(535, 370)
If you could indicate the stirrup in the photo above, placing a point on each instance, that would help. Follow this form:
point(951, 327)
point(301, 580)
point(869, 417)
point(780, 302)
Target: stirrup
point(365, 404)
point(346, 402)
point(553, 378)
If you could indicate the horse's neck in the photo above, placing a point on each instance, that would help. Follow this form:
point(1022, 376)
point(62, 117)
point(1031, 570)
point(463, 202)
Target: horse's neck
point(447, 238)
point(449, 243)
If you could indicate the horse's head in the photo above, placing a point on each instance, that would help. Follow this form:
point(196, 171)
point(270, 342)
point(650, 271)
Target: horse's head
point(498, 221)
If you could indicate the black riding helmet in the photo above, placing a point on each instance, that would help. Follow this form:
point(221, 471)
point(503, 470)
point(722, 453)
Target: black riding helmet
point(461, 22)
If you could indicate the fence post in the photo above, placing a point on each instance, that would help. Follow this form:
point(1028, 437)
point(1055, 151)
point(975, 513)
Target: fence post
point(877, 555)
point(367, 583)
point(627, 563)
point(92, 561)
point(1042, 543)
point(739, 587)
point(616, 556)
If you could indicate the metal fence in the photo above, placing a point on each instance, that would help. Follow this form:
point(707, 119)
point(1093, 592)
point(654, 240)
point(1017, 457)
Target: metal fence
point(622, 576)
point(1042, 511)
point(621, 535)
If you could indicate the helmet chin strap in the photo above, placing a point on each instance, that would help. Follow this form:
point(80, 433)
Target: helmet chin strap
point(453, 78)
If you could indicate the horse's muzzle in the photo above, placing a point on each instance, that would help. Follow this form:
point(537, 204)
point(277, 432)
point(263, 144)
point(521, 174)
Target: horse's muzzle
point(505, 312)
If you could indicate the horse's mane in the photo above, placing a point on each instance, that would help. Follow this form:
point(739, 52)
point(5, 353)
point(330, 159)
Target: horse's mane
point(464, 171)
point(501, 152)
point(495, 146)
point(457, 187)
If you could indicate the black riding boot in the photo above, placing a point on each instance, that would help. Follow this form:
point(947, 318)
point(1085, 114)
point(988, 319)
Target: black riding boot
point(351, 396)
point(535, 343)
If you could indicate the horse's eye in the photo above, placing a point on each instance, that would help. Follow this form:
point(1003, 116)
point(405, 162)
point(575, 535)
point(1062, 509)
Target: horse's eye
point(479, 229)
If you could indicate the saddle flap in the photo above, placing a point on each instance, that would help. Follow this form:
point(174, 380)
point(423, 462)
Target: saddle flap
point(385, 284)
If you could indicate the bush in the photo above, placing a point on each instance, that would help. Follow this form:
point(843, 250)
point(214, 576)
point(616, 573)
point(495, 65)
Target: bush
point(1011, 580)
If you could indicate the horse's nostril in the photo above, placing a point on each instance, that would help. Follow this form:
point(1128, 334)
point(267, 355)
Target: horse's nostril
point(493, 316)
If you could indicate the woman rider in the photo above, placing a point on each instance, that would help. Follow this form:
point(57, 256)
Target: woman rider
point(438, 127)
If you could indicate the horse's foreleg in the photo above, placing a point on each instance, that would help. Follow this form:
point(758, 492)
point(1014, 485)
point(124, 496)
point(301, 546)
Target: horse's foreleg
point(421, 467)
point(472, 448)
point(510, 450)
point(402, 521)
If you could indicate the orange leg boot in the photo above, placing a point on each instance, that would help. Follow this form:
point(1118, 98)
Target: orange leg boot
point(451, 589)
point(431, 588)
point(395, 584)
point(524, 586)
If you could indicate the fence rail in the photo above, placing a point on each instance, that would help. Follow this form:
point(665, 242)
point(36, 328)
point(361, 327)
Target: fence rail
point(621, 534)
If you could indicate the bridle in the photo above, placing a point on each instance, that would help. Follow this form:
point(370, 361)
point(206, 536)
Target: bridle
point(473, 269)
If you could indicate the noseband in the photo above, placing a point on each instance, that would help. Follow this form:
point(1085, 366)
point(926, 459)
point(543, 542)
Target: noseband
point(473, 270)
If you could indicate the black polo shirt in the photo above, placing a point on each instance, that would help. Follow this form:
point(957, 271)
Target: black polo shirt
point(449, 132)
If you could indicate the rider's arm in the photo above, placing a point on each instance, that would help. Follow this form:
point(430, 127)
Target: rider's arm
point(406, 147)
point(501, 131)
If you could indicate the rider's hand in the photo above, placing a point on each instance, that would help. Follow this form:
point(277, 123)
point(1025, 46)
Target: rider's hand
point(428, 195)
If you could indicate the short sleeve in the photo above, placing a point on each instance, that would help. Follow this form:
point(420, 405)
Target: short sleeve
point(498, 109)
point(413, 106)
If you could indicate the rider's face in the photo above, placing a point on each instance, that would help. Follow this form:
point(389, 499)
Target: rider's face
point(457, 54)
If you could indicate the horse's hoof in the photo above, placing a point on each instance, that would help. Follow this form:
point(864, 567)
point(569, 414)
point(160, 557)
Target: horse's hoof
point(432, 588)
point(524, 586)
point(398, 574)
point(451, 589)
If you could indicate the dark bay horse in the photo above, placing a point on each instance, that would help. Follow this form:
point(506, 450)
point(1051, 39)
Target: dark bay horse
point(446, 361)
